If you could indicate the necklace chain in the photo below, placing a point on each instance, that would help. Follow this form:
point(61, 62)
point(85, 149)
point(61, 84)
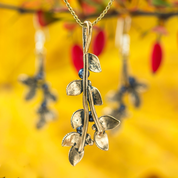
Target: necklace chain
point(98, 18)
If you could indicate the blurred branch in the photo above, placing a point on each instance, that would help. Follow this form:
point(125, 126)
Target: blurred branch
point(160, 15)
point(16, 8)
point(137, 13)
point(112, 13)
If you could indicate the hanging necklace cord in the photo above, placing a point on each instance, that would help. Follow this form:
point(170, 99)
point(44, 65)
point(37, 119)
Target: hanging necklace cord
point(82, 23)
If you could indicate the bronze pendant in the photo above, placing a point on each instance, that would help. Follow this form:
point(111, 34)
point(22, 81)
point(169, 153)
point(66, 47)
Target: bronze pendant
point(91, 97)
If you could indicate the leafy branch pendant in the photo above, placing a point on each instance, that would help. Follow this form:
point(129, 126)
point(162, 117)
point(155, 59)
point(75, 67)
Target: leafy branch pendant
point(38, 82)
point(91, 96)
point(129, 85)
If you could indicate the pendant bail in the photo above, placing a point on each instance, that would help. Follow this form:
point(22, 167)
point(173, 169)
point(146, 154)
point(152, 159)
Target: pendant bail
point(87, 34)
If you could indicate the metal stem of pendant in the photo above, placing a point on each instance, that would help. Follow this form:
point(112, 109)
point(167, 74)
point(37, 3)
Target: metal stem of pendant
point(125, 49)
point(40, 51)
point(87, 33)
point(93, 111)
point(40, 62)
point(125, 71)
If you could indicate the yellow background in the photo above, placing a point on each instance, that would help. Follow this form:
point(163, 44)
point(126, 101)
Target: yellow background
point(147, 143)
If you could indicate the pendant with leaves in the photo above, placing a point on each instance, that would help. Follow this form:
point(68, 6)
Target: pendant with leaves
point(129, 85)
point(38, 82)
point(91, 97)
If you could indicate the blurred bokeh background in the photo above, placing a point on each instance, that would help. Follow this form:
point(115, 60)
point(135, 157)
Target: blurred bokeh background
point(146, 144)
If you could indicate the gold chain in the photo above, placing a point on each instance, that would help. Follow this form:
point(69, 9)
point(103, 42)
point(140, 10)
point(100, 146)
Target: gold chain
point(98, 19)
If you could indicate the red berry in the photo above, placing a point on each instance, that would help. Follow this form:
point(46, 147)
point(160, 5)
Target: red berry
point(69, 26)
point(99, 42)
point(41, 18)
point(45, 18)
point(88, 9)
point(157, 55)
point(77, 57)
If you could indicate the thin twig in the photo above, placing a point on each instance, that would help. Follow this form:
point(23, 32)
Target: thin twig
point(16, 8)
point(112, 13)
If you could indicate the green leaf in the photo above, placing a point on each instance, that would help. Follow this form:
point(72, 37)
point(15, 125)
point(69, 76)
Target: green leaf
point(45, 18)
point(162, 3)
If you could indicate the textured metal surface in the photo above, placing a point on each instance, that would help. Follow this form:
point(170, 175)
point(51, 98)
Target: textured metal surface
point(108, 122)
point(101, 141)
point(94, 63)
point(93, 111)
point(77, 118)
point(75, 156)
point(70, 139)
point(74, 88)
point(87, 34)
point(96, 96)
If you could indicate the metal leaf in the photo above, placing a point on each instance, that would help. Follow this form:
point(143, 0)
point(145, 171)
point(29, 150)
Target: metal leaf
point(47, 93)
point(75, 156)
point(50, 116)
point(119, 114)
point(111, 96)
point(70, 139)
point(29, 81)
point(101, 141)
point(30, 94)
point(141, 87)
point(108, 122)
point(114, 96)
point(96, 96)
point(135, 99)
point(41, 122)
point(51, 96)
point(113, 112)
point(74, 88)
point(77, 118)
point(94, 63)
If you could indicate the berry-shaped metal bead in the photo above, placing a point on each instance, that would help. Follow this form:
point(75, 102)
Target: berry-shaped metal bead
point(80, 73)
point(132, 81)
point(90, 117)
point(121, 108)
point(39, 76)
point(43, 105)
point(45, 86)
point(79, 129)
point(123, 89)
